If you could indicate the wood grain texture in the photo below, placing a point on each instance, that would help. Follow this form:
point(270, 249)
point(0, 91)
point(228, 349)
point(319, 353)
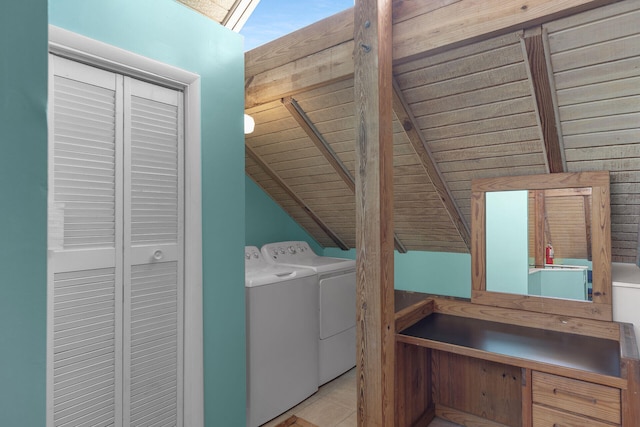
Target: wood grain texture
point(478, 248)
point(548, 417)
point(323, 146)
point(539, 226)
point(601, 307)
point(490, 390)
point(534, 48)
point(463, 418)
point(590, 400)
point(631, 371)
point(468, 20)
point(319, 36)
point(320, 69)
point(251, 153)
point(563, 307)
point(374, 214)
point(318, 140)
point(527, 399)
point(403, 112)
point(414, 402)
point(595, 56)
point(631, 394)
point(560, 323)
point(410, 315)
point(323, 53)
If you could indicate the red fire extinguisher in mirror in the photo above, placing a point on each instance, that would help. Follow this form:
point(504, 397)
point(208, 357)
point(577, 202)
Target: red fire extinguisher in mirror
point(549, 254)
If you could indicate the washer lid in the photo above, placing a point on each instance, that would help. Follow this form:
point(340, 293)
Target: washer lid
point(259, 272)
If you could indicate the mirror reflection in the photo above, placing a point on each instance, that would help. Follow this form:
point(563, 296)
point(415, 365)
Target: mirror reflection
point(538, 242)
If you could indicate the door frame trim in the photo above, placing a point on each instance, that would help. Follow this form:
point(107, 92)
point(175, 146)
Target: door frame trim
point(93, 52)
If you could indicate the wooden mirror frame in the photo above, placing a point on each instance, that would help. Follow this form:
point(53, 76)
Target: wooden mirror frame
point(600, 307)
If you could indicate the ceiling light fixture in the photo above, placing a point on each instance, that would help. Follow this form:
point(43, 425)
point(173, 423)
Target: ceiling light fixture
point(249, 124)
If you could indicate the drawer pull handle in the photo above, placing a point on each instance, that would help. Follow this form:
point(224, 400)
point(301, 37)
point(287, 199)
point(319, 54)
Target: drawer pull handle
point(576, 395)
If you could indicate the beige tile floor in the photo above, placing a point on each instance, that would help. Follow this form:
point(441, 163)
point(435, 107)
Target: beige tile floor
point(334, 405)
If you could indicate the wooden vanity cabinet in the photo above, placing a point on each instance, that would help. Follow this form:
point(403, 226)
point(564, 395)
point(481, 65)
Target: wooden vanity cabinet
point(508, 358)
point(473, 366)
point(565, 401)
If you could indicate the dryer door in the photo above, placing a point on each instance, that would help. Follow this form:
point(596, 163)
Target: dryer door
point(337, 304)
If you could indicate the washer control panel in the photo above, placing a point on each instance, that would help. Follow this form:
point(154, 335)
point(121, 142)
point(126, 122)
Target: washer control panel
point(252, 256)
point(289, 251)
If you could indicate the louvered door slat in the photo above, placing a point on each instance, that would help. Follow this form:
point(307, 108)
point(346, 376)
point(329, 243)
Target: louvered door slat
point(154, 156)
point(96, 388)
point(86, 283)
point(153, 283)
point(154, 349)
point(80, 380)
point(79, 351)
point(84, 171)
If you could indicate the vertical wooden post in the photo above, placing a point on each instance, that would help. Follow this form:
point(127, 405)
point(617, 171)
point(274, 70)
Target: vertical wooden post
point(374, 213)
point(539, 221)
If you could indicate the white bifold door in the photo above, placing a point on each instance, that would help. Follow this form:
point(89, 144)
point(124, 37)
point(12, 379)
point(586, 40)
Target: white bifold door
point(115, 250)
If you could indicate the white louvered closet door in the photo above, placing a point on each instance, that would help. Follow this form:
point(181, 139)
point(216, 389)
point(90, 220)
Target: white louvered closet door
point(115, 236)
point(153, 262)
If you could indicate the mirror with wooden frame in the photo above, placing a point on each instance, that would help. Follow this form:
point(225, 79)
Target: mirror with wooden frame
point(543, 243)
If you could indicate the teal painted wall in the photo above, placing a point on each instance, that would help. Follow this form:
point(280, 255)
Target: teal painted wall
point(170, 32)
point(23, 211)
point(440, 273)
point(267, 222)
point(507, 265)
point(437, 273)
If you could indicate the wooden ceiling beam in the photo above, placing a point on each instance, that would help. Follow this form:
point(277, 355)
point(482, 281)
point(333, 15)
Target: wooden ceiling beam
point(542, 90)
point(468, 21)
point(303, 120)
point(274, 175)
point(419, 144)
point(322, 35)
point(320, 69)
point(300, 116)
point(323, 52)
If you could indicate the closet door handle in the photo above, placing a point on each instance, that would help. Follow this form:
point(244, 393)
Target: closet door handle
point(158, 255)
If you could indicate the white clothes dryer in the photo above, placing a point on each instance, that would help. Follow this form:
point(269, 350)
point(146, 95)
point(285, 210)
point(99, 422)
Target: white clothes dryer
point(337, 303)
point(282, 348)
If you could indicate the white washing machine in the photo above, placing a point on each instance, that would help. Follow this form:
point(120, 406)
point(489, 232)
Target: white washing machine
point(626, 295)
point(337, 303)
point(282, 348)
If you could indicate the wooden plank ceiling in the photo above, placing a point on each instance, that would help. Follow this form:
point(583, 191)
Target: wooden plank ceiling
point(231, 13)
point(547, 96)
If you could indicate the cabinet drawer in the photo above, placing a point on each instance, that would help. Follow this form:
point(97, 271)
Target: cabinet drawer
point(548, 417)
point(587, 399)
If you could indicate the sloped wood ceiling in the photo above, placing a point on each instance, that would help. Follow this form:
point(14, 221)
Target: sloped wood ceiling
point(556, 96)
point(231, 13)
